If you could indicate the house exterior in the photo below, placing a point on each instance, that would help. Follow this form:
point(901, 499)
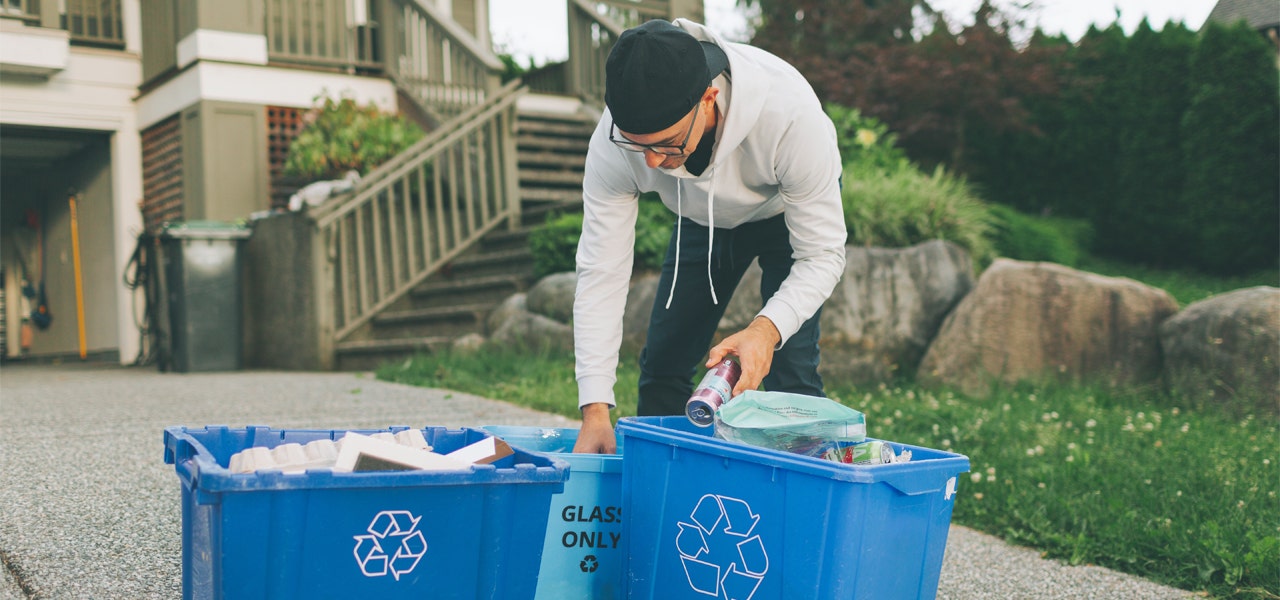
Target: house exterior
point(1262, 15)
point(140, 112)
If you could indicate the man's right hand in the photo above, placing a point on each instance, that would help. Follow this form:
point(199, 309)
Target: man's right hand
point(596, 435)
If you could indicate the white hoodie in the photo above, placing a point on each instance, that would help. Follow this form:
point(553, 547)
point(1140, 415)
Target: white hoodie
point(775, 152)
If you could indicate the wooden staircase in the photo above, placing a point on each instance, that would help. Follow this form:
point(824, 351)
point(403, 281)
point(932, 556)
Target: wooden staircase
point(551, 152)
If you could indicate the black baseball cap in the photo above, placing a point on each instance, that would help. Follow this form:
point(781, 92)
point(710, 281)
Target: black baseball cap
point(655, 75)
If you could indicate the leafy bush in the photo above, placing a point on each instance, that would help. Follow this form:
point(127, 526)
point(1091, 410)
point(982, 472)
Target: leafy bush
point(1053, 239)
point(907, 207)
point(865, 142)
point(555, 243)
point(341, 136)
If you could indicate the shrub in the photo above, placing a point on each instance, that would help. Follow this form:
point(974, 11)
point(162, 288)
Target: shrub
point(1053, 239)
point(907, 207)
point(1231, 145)
point(555, 243)
point(341, 136)
point(865, 142)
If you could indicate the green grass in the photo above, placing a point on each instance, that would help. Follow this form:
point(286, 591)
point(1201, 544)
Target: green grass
point(1185, 286)
point(1089, 476)
point(1130, 480)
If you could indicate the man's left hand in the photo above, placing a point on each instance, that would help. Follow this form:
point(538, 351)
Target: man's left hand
point(754, 348)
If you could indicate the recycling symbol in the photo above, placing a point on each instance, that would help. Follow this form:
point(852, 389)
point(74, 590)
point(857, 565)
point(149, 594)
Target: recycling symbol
point(589, 564)
point(395, 532)
point(721, 556)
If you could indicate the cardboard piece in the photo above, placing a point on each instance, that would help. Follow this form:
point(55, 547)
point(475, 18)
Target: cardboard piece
point(364, 453)
point(483, 452)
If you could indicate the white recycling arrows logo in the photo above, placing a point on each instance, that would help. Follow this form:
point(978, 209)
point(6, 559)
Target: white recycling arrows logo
point(721, 557)
point(395, 532)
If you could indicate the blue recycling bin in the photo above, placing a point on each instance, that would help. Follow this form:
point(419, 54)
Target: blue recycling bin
point(465, 534)
point(708, 518)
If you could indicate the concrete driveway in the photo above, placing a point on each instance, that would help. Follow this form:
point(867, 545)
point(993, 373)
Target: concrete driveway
point(88, 509)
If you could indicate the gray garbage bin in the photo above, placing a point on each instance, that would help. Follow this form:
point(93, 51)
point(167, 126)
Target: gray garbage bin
point(201, 270)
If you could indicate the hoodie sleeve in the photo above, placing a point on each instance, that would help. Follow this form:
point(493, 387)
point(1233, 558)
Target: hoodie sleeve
point(610, 203)
point(808, 168)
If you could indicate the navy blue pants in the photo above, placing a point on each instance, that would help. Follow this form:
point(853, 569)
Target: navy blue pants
point(680, 336)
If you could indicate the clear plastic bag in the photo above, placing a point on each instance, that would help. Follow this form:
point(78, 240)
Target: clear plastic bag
point(807, 425)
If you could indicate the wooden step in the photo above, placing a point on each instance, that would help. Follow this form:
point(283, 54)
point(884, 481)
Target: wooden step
point(534, 158)
point(504, 257)
point(460, 286)
point(550, 143)
point(560, 195)
point(370, 354)
point(455, 312)
point(561, 128)
point(551, 178)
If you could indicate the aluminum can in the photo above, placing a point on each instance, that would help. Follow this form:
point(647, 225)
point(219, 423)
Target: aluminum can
point(874, 452)
point(713, 392)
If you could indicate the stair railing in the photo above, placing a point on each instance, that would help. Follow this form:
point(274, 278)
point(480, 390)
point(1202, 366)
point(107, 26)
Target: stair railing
point(413, 215)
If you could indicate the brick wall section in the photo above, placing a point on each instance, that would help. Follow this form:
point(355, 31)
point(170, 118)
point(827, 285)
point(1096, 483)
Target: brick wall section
point(283, 124)
point(162, 173)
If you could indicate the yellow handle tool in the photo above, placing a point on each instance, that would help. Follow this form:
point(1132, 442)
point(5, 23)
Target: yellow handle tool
point(75, 252)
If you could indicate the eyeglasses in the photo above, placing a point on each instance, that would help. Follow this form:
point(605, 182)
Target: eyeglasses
point(663, 149)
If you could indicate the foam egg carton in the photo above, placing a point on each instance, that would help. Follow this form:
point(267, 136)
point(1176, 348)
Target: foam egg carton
point(318, 454)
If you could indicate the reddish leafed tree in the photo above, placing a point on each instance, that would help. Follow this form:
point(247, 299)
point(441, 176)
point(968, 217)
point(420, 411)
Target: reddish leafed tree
point(935, 89)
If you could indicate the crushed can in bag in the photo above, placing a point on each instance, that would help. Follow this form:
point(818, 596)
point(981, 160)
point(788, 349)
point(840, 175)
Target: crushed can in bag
point(715, 389)
point(872, 452)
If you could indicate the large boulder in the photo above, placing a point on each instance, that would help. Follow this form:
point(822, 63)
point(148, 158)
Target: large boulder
point(882, 314)
point(552, 296)
point(1033, 320)
point(1223, 350)
point(523, 329)
point(635, 318)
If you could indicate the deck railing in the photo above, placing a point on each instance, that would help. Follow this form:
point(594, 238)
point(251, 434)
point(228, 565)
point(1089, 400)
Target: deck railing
point(92, 22)
point(437, 62)
point(326, 33)
point(415, 213)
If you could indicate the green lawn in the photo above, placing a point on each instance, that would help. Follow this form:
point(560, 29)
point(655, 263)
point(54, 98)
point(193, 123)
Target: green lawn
point(1129, 480)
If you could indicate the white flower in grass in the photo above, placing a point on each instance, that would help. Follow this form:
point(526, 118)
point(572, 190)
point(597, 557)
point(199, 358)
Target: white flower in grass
point(991, 472)
point(1148, 426)
point(1005, 408)
point(1128, 427)
point(1266, 461)
point(1186, 427)
point(946, 443)
point(1031, 451)
point(1040, 485)
point(1090, 424)
point(1240, 504)
point(1071, 458)
point(1071, 446)
point(976, 477)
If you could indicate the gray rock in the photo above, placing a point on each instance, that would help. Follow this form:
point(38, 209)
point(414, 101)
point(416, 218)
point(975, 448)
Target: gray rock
point(1223, 350)
point(1035, 320)
point(888, 306)
point(635, 319)
point(468, 344)
point(552, 296)
point(881, 315)
point(527, 330)
point(514, 304)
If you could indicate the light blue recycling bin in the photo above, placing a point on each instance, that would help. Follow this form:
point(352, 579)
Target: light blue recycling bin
point(584, 555)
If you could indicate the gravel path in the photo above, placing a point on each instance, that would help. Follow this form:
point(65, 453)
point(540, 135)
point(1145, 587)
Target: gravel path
point(90, 510)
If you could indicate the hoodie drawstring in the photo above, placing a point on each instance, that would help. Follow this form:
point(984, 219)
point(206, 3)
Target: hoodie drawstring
point(711, 238)
point(711, 234)
point(676, 275)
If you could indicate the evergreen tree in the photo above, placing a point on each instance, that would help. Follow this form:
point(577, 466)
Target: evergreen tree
point(1231, 146)
point(1086, 145)
point(1145, 221)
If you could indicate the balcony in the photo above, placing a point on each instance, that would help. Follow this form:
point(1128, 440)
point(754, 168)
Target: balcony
point(88, 22)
